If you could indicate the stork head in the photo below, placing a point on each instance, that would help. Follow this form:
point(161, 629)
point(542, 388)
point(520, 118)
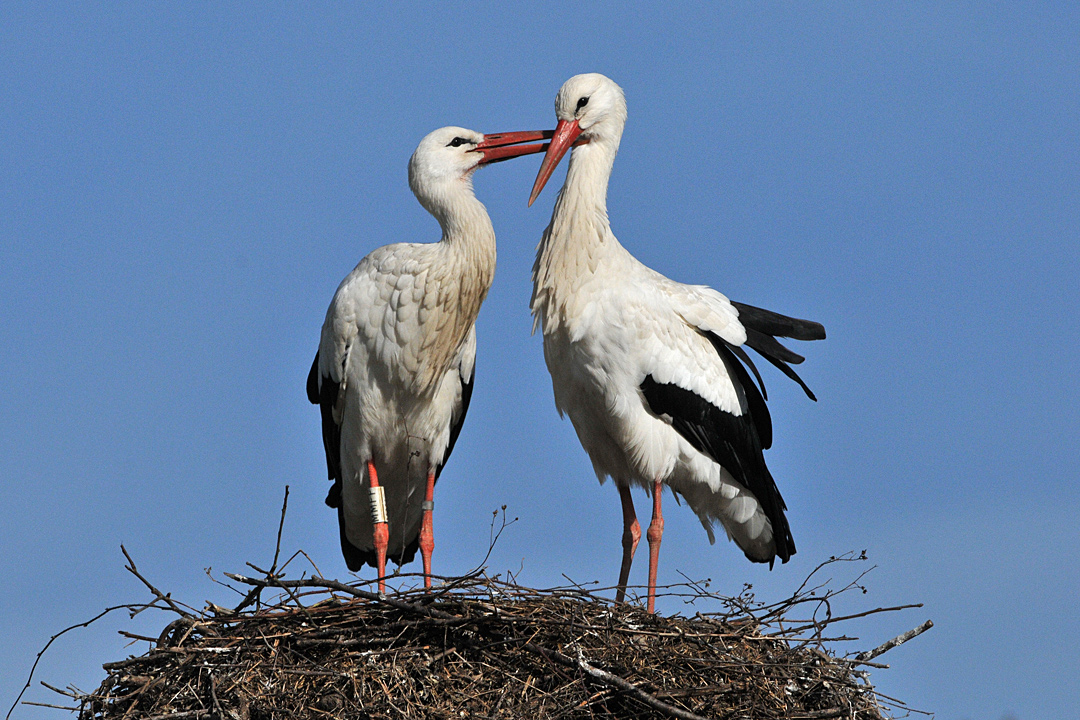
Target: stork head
point(449, 155)
point(444, 155)
point(590, 108)
point(595, 103)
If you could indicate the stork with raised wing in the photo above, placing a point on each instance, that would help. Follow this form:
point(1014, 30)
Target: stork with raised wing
point(653, 373)
point(394, 371)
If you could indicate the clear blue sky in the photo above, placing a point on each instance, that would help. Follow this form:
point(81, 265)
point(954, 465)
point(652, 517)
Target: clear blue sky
point(182, 186)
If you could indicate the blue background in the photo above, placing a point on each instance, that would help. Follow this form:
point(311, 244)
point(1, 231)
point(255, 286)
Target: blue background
point(182, 186)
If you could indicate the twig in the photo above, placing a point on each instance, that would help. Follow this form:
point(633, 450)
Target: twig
point(256, 592)
point(349, 590)
point(840, 618)
point(160, 595)
point(281, 525)
point(33, 668)
point(213, 681)
point(493, 537)
point(634, 691)
point(54, 707)
point(898, 640)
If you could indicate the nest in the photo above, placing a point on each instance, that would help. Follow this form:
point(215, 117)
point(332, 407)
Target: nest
point(485, 647)
point(480, 647)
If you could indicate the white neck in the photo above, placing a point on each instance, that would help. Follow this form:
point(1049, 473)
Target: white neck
point(579, 234)
point(466, 226)
point(463, 272)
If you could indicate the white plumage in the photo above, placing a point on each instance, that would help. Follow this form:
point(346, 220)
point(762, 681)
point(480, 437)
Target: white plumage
point(394, 370)
point(648, 369)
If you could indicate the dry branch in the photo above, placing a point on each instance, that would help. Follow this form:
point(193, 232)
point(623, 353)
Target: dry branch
point(898, 640)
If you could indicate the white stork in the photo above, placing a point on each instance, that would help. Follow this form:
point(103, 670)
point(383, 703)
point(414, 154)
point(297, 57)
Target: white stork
point(394, 371)
point(648, 369)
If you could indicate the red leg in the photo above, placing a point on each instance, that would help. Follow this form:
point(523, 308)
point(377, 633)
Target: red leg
point(655, 534)
point(427, 532)
point(630, 537)
point(378, 517)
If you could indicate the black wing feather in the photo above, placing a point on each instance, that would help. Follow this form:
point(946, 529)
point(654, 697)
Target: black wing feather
point(762, 328)
point(768, 347)
point(778, 325)
point(355, 558)
point(733, 441)
point(772, 346)
point(455, 430)
point(325, 395)
point(749, 396)
point(323, 391)
point(742, 355)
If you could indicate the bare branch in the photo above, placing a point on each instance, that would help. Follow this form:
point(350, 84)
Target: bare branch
point(898, 640)
point(33, 668)
point(157, 593)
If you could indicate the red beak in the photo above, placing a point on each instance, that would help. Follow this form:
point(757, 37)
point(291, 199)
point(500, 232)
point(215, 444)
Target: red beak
point(496, 147)
point(565, 136)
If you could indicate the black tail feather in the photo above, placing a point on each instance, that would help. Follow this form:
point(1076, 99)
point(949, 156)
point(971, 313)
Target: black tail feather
point(777, 325)
point(762, 329)
point(742, 355)
point(768, 345)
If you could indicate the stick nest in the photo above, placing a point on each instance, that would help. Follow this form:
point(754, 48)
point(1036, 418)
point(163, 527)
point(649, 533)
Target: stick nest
point(479, 647)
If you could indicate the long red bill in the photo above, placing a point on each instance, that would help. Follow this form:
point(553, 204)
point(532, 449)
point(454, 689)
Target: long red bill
point(496, 147)
point(566, 134)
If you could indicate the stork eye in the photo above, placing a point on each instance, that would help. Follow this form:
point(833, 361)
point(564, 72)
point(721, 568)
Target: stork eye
point(458, 142)
point(582, 102)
